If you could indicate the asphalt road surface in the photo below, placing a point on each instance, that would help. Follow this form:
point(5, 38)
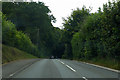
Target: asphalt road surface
point(56, 68)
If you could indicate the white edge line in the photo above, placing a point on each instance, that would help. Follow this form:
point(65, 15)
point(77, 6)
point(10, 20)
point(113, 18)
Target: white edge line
point(20, 69)
point(102, 67)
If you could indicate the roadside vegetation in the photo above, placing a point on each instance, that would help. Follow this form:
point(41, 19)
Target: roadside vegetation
point(35, 32)
point(94, 37)
point(11, 54)
point(12, 37)
point(86, 36)
point(27, 27)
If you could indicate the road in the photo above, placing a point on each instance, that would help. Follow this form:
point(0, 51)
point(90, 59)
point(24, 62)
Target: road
point(59, 68)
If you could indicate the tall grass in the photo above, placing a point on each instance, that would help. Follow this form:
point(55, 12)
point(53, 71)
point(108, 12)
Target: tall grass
point(11, 54)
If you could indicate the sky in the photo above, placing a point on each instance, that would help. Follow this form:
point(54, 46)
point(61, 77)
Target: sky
point(63, 8)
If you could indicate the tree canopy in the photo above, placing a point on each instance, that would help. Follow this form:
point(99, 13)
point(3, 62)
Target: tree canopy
point(34, 20)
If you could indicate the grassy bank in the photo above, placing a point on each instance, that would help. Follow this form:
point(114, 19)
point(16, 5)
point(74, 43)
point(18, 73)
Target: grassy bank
point(11, 54)
point(106, 62)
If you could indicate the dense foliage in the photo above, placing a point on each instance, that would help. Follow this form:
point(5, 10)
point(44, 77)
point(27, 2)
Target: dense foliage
point(97, 34)
point(15, 38)
point(72, 25)
point(34, 20)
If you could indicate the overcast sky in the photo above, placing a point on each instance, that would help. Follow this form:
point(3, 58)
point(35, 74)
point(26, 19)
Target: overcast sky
point(63, 8)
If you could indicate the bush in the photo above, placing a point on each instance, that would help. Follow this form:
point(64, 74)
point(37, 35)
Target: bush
point(17, 39)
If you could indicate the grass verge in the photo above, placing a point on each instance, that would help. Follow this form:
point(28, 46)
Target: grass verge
point(10, 54)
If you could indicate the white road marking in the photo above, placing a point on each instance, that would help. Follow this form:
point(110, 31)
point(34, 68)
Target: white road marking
point(11, 74)
point(71, 68)
point(20, 70)
point(67, 66)
point(17, 71)
point(62, 62)
point(57, 59)
point(101, 67)
point(84, 78)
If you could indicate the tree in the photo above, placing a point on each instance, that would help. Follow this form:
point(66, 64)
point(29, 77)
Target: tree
point(98, 35)
point(34, 20)
point(71, 26)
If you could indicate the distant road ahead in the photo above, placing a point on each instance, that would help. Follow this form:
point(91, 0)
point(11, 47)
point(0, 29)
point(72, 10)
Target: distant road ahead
point(58, 68)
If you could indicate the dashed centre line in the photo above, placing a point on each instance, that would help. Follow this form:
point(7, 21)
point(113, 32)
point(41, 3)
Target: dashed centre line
point(84, 78)
point(62, 62)
point(71, 68)
point(67, 66)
